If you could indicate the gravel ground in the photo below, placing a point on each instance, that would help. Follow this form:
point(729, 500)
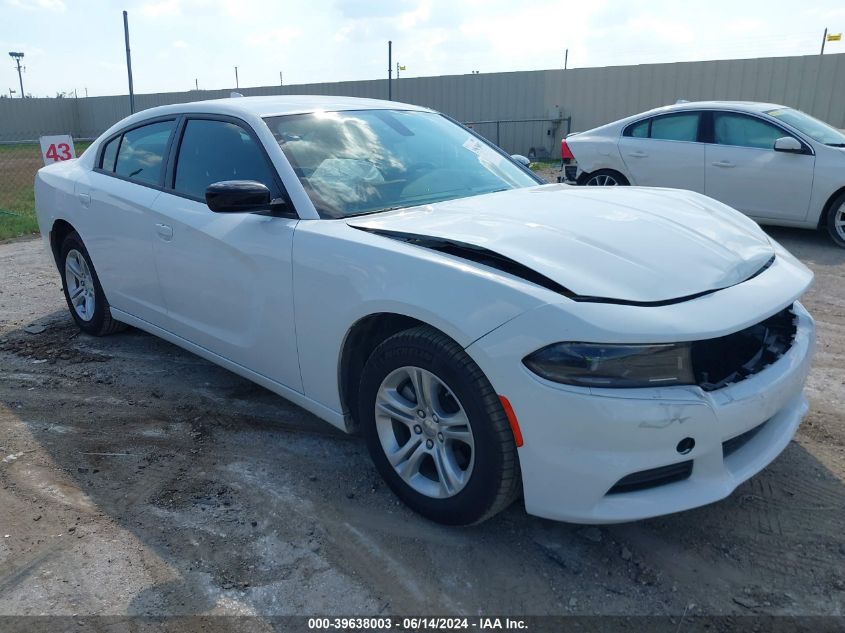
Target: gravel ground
point(136, 478)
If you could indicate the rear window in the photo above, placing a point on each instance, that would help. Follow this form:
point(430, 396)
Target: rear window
point(109, 154)
point(667, 127)
point(141, 154)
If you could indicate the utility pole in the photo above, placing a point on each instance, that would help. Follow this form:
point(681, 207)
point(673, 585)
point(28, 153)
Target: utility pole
point(196, 83)
point(566, 60)
point(281, 83)
point(390, 70)
point(18, 57)
point(86, 92)
point(824, 39)
point(237, 85)
point(129, 63)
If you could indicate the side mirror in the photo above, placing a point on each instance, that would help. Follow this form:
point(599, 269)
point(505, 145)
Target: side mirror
point(789, 144)
point(521, 159)
point(238, 196)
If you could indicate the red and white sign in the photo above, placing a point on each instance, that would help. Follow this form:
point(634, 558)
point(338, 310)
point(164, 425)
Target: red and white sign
point(57, 148)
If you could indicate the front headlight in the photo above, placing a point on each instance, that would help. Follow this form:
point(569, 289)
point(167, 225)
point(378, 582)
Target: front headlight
point(612, 365)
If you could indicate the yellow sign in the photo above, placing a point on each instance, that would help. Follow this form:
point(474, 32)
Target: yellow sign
point(403, 68)
point(834, 37)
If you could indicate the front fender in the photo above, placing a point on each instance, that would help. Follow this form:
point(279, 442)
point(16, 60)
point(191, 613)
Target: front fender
point(341, 275)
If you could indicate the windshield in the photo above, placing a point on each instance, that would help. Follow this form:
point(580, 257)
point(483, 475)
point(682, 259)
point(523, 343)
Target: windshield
point(362, 161)
point(812, 127)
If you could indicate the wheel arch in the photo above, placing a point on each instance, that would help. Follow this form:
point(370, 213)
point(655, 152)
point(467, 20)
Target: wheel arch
point(361, 339)
point(58, 232)
point(586, 175)
point(828, 205)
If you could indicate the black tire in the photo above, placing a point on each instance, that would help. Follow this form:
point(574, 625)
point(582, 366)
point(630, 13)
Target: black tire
point(619, 179)
point(101, 322)
point(494, 481)
point(836, 213)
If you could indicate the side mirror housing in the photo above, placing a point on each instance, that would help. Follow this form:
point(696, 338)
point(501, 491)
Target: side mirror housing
point(521, 159)
point(789, 144)
point(238, 196)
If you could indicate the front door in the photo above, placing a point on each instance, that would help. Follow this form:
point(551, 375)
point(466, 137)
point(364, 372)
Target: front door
point(226, 277)
point(743, 170)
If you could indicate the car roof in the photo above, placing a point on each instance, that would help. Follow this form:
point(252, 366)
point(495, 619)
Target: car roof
point(741, 106)
point(278, 105)
point(747, 106)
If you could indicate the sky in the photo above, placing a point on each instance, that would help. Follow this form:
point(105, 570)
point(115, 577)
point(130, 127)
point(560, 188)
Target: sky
point(77, 45)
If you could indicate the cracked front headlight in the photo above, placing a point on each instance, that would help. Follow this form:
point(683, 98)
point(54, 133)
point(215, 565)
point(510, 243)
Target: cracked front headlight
point(614, 365)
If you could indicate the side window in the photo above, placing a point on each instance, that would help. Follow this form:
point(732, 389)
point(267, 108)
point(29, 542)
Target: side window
point(744, 131)
point(141, 153)
point(675, 127)
point(638, 130)
point(212, 151)
point(109, 154)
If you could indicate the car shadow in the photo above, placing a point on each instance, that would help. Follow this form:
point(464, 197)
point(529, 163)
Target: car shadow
point(225, 498)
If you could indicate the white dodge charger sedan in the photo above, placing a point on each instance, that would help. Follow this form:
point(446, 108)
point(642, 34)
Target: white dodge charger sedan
point(775, 164)
point(609, 353)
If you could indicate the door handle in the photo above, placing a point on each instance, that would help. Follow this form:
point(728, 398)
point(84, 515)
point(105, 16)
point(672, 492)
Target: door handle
point(638, 154)
point(85, 199)
point(165, 232)
point(723, 163)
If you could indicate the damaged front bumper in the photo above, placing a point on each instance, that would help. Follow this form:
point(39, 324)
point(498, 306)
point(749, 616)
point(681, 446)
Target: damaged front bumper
point(612, 455)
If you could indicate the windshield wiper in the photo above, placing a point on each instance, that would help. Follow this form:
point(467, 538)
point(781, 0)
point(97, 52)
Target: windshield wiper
point(835, 144)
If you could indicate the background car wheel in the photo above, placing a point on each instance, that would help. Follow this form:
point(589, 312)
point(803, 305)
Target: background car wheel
point(436, 430)
point(604, 178)
point(836, 221)
point(83, 292)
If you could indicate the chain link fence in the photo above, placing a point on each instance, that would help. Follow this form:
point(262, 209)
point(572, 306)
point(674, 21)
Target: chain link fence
point(536, 139)
point(18, 163)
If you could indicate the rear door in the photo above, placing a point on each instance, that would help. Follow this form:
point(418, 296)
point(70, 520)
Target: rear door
point(664, 151)
point(226, 277)
point(117, 229)
point(743, 170)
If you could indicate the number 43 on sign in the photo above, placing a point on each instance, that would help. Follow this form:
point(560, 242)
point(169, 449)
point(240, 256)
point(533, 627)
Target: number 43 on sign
point(57, 148)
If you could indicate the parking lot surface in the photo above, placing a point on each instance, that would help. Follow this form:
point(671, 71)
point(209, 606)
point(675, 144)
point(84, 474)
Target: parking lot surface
point(136, 478)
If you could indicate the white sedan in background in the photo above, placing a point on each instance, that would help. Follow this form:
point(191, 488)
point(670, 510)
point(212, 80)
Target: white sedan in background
point(613, 354)
point(775, 164)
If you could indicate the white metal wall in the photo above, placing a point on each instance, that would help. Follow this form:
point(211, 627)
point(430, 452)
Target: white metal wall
point(591, 96)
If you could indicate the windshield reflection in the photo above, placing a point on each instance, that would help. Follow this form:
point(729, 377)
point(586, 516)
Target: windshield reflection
point(364, 161)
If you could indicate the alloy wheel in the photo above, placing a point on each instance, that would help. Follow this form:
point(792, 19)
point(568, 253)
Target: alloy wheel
point(80, 285)
point(425, 432)
point(839, 221)
point(602, 180)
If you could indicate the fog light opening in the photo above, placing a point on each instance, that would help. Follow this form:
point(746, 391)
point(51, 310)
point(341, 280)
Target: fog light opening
point(686, 445)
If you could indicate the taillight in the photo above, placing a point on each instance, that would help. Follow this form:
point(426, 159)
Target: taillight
point(565, 152)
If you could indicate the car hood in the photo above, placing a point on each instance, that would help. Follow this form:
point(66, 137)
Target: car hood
point(629, 244)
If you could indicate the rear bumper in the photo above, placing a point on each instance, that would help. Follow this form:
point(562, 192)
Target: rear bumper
point(580, 443)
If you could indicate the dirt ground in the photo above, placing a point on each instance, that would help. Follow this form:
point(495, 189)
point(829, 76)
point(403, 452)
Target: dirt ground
point(136, 478)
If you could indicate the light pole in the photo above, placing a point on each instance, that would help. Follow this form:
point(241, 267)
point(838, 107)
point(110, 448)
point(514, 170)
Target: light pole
point(18, 57)
point(129, 63)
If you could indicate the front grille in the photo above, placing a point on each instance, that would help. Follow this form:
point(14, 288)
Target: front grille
point(652, 478)
point(722, 361)
point(735, 443)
